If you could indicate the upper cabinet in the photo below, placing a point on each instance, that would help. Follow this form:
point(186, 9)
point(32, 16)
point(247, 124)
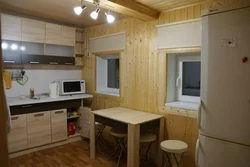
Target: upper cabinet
point(33, 31)
point(68, 36)
point(53, 33)
point(11, 27)
point(60, 35)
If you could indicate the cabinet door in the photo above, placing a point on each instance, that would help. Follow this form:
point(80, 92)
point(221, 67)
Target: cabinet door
point(11, 27)
point(33, 59)
point(10, 55)
point(84, 121)
point(38, 129)
point(68, 36)
point(33, 31)
point(53, 33)
point(17, 138)
point(59, 125)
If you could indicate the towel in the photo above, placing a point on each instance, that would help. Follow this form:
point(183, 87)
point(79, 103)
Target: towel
point(8, 117)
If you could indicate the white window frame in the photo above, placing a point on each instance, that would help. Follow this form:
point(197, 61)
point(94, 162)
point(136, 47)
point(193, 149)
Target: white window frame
point(102, 75)
point(180, 60)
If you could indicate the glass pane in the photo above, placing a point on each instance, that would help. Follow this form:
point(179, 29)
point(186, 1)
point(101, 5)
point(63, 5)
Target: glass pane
point(113, 73)
point(191, 78)
point(32, 48)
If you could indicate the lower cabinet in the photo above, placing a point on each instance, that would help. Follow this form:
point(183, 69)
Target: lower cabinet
point(18, 138)
point(84, 121)
point(59, 125)
point(38, 129)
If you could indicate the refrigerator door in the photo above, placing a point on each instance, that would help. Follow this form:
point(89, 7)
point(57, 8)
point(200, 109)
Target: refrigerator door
point(218, 153)
point(225, 78)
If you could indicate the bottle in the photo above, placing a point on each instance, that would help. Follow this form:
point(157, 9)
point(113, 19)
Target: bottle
point(32, 93)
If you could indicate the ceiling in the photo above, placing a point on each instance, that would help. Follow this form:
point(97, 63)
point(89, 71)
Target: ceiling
point(162, 5)
point(60, 11)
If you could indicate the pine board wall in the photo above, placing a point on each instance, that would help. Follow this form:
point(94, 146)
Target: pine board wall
point(140, 72)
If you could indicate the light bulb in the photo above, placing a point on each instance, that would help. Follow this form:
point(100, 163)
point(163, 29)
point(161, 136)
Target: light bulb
point(14, 46)
point(94, 14)
point(110, 18)
point(5, 45)
point(22, 48)
point(78, 10)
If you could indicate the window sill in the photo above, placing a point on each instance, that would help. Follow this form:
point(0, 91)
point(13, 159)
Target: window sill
point(184, 105)
point(109, 92)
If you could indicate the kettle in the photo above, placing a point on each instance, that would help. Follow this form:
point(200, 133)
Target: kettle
point(53, 90)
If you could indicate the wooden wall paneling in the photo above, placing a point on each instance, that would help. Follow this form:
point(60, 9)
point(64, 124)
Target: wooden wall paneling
point(33, 31)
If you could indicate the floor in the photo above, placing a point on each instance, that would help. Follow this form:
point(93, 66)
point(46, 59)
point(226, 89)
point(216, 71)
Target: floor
point(72, 155)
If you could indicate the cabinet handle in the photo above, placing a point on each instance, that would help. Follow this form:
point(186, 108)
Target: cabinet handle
point(39, 115)
point(34, 62)
point(58, 112)
point(27, 106)
point(14, 118)
point(53, 63)
point(12, 62)
point(68, 63)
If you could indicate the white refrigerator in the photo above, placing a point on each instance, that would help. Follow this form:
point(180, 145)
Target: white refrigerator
point(224, 116)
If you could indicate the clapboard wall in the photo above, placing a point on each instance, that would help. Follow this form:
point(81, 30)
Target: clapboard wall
point(140, 82)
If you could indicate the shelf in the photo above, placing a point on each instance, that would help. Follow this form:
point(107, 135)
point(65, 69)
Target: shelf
point(75, 135)
point(79, 54)
point(79, 41)
point(73, 117)
point(80, 30)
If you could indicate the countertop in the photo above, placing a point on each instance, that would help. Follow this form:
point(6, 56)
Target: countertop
point(16, 101)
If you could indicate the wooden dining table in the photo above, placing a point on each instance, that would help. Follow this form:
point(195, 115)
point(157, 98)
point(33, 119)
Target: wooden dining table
point(133, 121)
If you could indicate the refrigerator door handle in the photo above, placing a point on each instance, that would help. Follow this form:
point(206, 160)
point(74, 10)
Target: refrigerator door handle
point(199, 115)
point(178, 82)
point(197, 152)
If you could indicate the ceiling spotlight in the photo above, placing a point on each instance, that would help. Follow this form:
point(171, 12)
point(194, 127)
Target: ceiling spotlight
point(5, 45)
point(94, 14)
point(78, 10)
point(14, 46)
point(110, 18)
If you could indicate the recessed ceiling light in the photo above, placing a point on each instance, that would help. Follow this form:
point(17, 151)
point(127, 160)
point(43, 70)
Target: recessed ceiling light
point(14, 46)
point(5, 45)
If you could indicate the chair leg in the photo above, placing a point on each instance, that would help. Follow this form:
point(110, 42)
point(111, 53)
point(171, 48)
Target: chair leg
point(148, 150)
point(178, 162)
point(118, 163)
point(169, 160)
point(116, 149)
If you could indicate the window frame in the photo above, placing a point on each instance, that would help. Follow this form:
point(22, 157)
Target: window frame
point(179, 78)
point(106, 90)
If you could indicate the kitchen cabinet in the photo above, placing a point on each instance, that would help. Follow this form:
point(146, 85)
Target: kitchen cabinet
point(17, 138)
point(84, 121)
point(11, 27)
point(11, 54)
point(38, 129)
point(33, 59)
point(68, 36)
point(67, 60)
point(53, 33)
point(59, 125)
point(33, 31)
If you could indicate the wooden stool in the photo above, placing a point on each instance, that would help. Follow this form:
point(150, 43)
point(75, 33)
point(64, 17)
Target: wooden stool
point(146, 138)
point(174, 147)
point(120, 143)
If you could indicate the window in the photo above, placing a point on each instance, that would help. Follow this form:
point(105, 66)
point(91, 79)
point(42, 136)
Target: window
point(108, 74)
point(183, 83)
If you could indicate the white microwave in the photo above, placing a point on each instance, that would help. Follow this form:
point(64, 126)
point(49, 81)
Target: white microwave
point(70, 87)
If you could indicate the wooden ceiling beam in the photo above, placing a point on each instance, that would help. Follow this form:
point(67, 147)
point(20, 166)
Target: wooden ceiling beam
point(130, 8)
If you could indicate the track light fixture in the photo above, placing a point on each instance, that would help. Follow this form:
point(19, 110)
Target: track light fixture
point(78, 10)
point(95, 13)
point(110, 18)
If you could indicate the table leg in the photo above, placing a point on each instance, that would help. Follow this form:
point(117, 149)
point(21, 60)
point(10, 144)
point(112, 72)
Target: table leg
point(160, 138)
point(133, 145)
point(92, 136)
